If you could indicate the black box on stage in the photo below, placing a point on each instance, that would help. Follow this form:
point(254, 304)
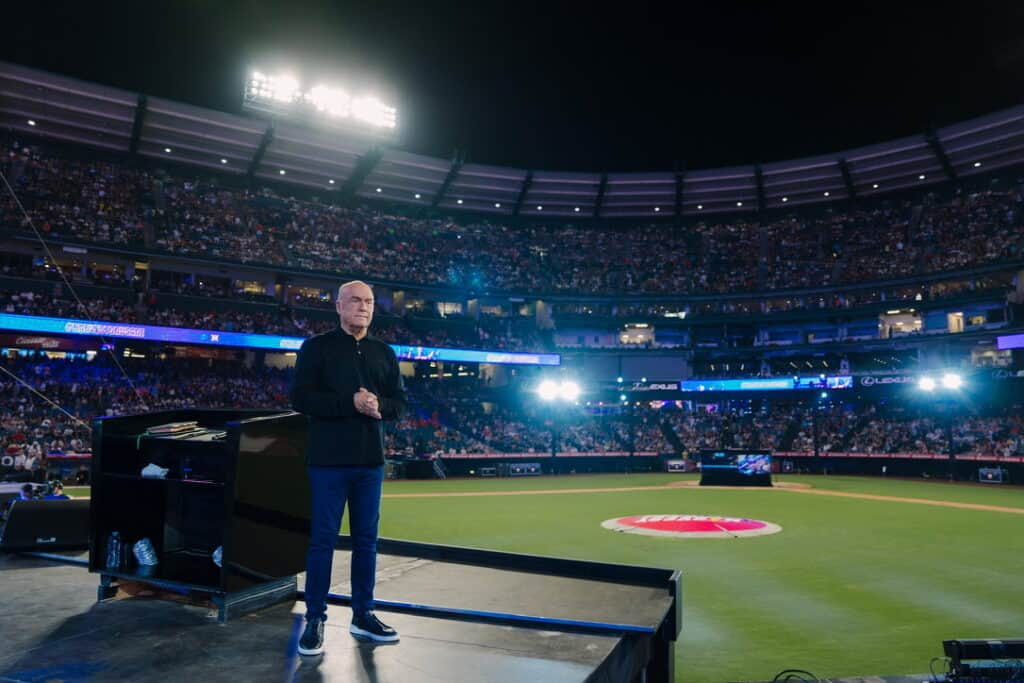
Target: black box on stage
point(44, 525)
point(203, 486)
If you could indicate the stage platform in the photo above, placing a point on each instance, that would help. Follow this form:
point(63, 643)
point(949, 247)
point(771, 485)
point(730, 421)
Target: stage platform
point(486, 617)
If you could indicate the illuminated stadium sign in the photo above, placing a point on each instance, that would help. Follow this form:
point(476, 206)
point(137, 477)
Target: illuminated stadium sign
point(769, 384)
point(39, 324)
point(1010, 341)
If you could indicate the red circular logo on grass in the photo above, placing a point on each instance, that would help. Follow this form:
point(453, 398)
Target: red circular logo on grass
point(691, 526)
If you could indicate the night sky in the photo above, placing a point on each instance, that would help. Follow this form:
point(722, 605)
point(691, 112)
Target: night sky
point(567, 86)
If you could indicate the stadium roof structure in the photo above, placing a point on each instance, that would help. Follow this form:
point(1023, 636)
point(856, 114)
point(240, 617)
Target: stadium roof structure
point(61, 108)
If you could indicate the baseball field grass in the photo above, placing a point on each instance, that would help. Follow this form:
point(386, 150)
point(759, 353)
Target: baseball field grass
point(867, 576)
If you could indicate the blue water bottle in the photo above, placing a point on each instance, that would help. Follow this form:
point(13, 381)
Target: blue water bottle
point(114, 551)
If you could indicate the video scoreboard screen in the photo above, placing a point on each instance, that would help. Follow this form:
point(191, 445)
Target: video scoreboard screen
point(735, 467)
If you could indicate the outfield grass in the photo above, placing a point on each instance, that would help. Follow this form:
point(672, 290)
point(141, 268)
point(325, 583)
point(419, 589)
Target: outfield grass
point(850, 586)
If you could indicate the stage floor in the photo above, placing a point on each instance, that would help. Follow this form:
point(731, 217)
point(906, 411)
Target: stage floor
point(53, 629)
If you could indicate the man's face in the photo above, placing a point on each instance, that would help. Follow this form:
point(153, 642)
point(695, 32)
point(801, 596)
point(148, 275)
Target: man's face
point(355, 306)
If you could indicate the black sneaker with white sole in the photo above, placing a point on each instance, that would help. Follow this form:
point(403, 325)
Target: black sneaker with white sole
point(368, 625)
point(312, 640)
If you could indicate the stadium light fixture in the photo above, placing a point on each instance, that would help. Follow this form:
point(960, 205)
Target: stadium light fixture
point(926, 384)
point(497, 205)
point(167, 150)
point(540, 208)
point(331, 100)
point(547, 390)
point(739, 203)
point(657, 209)
point(417, 195)
point(31, 122)
point(566, 390)
point(284, 93)
point(458, 201)
point(977, 164)
point(922, 176)
point(283, 87)
point(700, 207)
point(223, 161)
point(569, 391)
point(622, 397)
point(874, 186)
point(282, 171)
point(330, 181)
point(785, 199)
point(952, 380)
point(826, 193)
point(374, 112)
point(577, 209)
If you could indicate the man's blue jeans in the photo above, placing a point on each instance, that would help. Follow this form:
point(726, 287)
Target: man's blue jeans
point(331, 488)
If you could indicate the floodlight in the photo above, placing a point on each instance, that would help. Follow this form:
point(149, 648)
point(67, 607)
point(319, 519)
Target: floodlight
point(569, 390)
point(548, 390)
point(951, 380)
point(283, 88)
point(284, 94)
point(926, 384)
point(334, 102)
point(374, 112)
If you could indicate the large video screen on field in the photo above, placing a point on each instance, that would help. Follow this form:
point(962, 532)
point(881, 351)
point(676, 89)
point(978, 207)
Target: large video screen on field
point(735, 467)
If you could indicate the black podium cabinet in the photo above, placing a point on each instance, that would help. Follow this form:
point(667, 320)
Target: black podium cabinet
point(235, 482)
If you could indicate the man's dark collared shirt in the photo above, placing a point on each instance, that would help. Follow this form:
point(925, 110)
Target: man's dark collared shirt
point(329, 370)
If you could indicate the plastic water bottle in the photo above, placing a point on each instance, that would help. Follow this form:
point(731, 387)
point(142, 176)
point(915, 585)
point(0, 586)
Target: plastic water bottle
point(145, 553)
point(114, 551)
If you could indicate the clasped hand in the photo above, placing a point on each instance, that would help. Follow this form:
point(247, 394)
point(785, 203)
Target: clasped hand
point(366, 403)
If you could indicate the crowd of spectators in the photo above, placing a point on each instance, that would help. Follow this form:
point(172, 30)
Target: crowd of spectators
point(463, 417)
point(119, 203)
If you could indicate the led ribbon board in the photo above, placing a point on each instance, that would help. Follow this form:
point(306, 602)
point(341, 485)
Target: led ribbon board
point(1010, 341)
point(26, 323)
point(769, 384)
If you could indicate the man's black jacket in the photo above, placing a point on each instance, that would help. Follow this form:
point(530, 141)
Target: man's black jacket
point(330, 369)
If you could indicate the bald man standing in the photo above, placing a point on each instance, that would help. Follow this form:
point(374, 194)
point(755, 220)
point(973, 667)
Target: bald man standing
point(347, 383)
